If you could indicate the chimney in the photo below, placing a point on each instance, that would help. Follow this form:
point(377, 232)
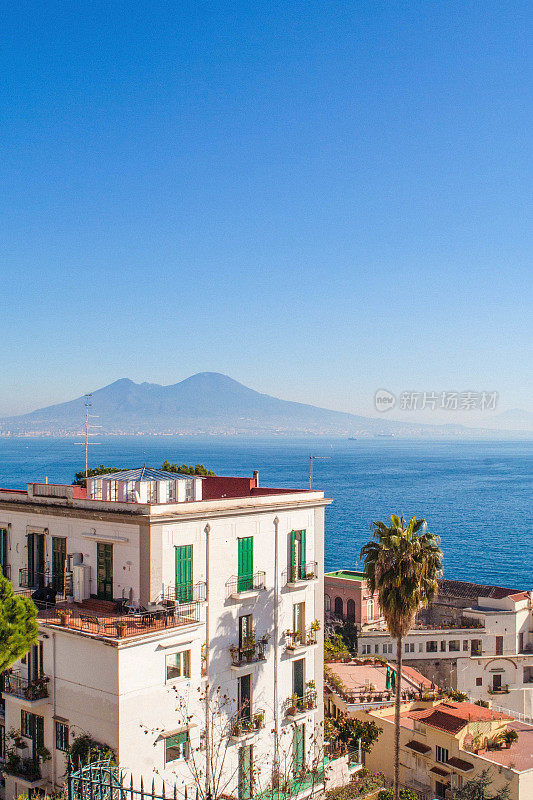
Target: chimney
point(256, 477)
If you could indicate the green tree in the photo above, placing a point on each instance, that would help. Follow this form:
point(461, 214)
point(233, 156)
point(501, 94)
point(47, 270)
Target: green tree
point(478, 789)
point(352, 731)
point(18, 625)
point(402, 563)
point(335, 648)
point(186, 469)
point(80, 479)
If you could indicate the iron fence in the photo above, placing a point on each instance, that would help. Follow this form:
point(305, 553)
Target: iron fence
point(300, 572)
point(254, 582)
point(25, 689)
point(102, 780)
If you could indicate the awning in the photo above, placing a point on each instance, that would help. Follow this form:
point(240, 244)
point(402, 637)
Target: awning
point(460, 763)
point(418, 747)
point(439, 771)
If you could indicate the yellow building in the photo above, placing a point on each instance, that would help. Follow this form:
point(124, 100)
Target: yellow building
point(444, 744)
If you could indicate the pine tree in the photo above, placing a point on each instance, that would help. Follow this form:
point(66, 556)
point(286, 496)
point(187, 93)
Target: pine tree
point(18, 625)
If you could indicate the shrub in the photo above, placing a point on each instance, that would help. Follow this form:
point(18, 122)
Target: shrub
point(84, 748)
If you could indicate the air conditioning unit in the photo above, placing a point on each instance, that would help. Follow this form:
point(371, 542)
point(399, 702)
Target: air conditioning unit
point(81, 582)
point(73, 560)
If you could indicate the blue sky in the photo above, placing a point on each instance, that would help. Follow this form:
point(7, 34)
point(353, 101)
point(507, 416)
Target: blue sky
point(319, 199)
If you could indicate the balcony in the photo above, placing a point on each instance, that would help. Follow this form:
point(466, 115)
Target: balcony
point(27, 770)
point(105, 619)
point(244, 725)
point(242, 587)
point(31, 691)
point(251, 651)
point(34, 579)
point(186, 593)
point(297, 640)
point(295, 706)
point(297, 575)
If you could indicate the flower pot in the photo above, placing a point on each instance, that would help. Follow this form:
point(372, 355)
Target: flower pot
point(63, 620)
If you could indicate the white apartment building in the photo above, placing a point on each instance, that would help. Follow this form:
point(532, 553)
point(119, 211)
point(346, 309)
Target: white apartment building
point(176, 586)
point(484, 650)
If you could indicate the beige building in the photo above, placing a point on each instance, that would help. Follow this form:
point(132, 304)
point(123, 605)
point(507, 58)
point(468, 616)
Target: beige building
point(444, 744)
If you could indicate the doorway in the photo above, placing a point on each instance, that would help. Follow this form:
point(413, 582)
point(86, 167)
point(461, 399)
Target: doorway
point(104, 571)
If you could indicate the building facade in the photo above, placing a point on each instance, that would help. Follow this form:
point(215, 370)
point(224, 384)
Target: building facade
point(176, 616)
point(346, 597)
point(445, 744)
point(480, 644)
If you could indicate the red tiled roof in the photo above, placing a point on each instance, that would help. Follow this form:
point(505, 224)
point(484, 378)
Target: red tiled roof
point(451, 717)
point(418, 747)
point(439, 771)
point(460, 763)
point(473, 590)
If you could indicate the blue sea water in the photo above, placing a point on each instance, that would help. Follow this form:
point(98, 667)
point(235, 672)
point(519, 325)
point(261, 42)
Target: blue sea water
point(477, 496)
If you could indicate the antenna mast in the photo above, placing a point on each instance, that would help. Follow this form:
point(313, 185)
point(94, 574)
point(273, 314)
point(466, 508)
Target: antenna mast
point(311, 459)
point(88, 425)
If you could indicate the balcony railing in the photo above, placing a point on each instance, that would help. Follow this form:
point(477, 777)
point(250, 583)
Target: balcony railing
point(186, 592)
point(300, 572)
point(249, 652)
point(297, 705)
point(247, 722)
point(237, 584)
point(25, 689)
point(304, 638)
point(34, 579)
point(26, 768)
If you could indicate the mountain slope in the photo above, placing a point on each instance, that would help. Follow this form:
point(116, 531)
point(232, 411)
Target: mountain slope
point(204, 403)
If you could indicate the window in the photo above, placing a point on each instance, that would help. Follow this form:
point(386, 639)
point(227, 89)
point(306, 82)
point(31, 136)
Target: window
point(113, 490)
point(327, 602)
point(177, 747)
point(62, 736)
point(189, 490)
point(2, 742)
point(97, 490)
point(409, 647)
point(297, 566)
point(528, 674)
point(441, 754)
point(479, 681)
point(443, 646)
point(130, 491)
point(499, 645)
point(298, 749)
point(245, 776)
point(420, 647)
point(376, 648)
point(465, 644)
point(152, 492)
point(431, 647)
point(32, 727)
point(178, 665)
point(350, 610)
point(245, 629)
point(3, 552)
point(172, 491)
point(454, 645)
point(366, 649)
point(496, 683)
point(339, 607)
point(245, 563)
point(244, 702)
point(369, 610)
point(387, 648)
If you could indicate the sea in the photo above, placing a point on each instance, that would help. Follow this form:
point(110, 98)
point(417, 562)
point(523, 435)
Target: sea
point(477, 496)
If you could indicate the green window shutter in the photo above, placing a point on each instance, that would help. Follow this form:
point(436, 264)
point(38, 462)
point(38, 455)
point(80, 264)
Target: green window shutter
point(183, 573)
point(245, 567)
point(298, 741)
point(292, 569)
point(302, 552)
point(245, 772)
point(31, 561)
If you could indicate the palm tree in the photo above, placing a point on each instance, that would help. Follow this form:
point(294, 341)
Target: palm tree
point(402, 564)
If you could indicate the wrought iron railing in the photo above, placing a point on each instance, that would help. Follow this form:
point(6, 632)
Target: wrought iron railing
point(34, 579)
point(101, 780)
point(249, 651)
point(248, 721)
point(25, 689)
point(186, 592)
point(296, 705)
point(27, 768)
point(300, 572)
point(300, 638)
point(120, 625)
point(255, 582)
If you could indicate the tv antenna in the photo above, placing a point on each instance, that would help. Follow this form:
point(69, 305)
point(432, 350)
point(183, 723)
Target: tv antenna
point(88, 433)
point(311, 459)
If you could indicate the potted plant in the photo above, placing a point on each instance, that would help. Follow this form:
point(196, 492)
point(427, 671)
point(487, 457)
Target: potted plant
point(234, 653)
point(237, 728)
point(508, 737)
point(121, 626)
point(64, 614)
point(293, 707)
point(259, 719)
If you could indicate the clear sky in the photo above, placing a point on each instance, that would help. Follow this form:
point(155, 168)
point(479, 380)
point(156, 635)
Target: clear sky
point(319, 199)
